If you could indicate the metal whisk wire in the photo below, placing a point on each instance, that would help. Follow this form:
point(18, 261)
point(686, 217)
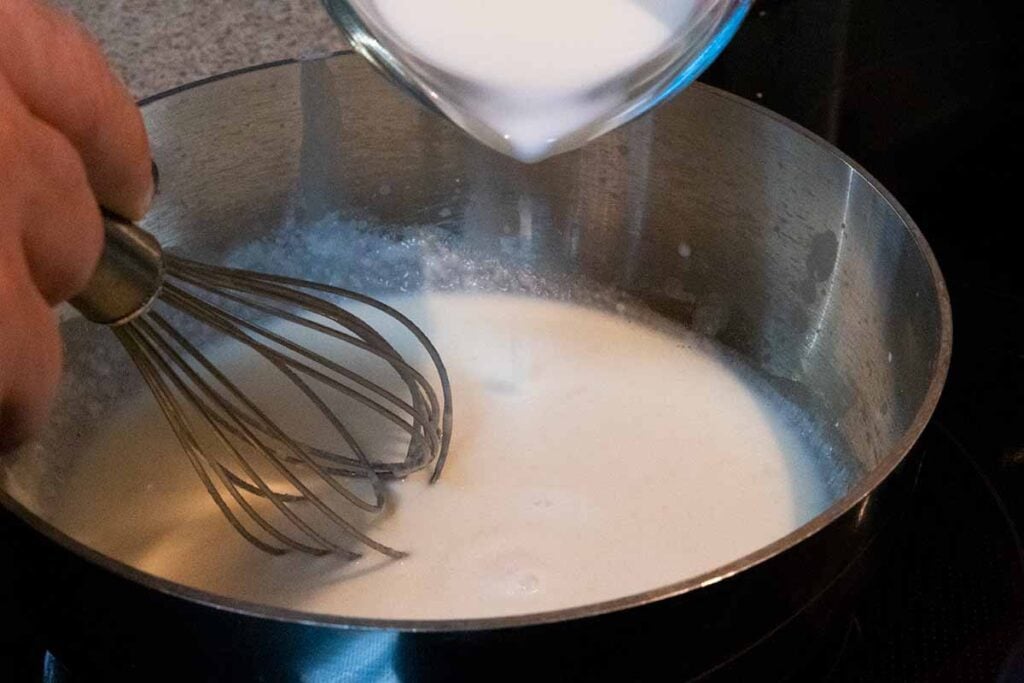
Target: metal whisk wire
point(254, 460)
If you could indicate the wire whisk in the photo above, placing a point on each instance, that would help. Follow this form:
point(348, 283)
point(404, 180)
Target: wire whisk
point(280, 492)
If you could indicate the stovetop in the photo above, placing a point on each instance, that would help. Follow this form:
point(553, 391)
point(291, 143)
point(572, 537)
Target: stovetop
point(947, 605)
point(921, 93)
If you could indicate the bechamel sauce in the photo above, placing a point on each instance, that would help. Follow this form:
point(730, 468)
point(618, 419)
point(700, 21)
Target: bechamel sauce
point(530, 72)
point(593, 458)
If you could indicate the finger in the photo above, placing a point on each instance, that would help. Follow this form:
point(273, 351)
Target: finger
point(30, 354)
point(48, 202)
point(60, 74)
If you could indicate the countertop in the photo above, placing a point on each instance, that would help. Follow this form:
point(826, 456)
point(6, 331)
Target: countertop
point(159, 44)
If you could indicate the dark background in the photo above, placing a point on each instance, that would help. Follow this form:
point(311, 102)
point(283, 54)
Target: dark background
point(925, 94)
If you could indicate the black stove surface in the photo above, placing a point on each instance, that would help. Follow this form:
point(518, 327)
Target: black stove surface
point(947, 604)
point(923, 94)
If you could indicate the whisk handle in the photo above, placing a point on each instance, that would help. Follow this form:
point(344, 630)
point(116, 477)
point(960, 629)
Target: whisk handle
point(127, 278)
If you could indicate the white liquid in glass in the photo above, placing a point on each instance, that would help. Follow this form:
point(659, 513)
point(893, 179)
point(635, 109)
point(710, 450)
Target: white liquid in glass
point(524, 75)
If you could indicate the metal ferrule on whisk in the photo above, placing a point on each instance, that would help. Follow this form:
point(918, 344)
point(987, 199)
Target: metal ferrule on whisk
point(128, 277)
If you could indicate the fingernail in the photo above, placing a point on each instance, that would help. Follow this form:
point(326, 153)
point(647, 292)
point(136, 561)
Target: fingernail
point(153, 189)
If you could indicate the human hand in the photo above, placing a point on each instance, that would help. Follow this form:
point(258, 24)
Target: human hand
point(71, 139)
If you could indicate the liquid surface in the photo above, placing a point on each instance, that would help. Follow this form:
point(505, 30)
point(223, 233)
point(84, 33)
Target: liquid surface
point(523, 75)
point(593, 458)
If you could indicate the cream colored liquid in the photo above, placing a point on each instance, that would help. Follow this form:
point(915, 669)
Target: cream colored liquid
point(593, 458)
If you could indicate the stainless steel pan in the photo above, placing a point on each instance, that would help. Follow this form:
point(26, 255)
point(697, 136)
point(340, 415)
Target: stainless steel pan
point(711, 210)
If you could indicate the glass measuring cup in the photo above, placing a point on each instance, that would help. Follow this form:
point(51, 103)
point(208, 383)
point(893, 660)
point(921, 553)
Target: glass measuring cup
point(532, 120)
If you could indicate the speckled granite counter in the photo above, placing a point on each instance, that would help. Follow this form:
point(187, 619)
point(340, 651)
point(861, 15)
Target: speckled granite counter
point(160, 44)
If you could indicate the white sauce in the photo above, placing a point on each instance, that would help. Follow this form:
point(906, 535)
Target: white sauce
point(523, 75)
point(594, 458)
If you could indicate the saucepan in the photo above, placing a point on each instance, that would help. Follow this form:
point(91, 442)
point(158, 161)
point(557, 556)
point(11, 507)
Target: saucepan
point(796, 260)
